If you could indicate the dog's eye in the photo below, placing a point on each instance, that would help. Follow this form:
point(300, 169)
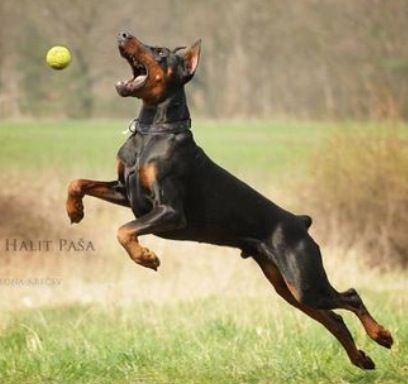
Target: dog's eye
point(162, 56)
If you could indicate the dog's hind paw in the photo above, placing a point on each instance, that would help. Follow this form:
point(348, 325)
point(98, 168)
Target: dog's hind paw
point(75, 209)
point(364, 361)
point(383, 337)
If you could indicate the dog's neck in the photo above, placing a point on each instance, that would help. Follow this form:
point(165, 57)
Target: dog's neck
point(172, 110)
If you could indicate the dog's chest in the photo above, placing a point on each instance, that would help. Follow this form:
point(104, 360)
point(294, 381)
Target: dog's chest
point(141, 149)
point(144, 156)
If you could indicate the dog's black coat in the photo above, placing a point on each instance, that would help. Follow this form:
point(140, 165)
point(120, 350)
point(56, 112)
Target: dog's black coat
point(208, 192)
point(177, 192)
point(212, 205)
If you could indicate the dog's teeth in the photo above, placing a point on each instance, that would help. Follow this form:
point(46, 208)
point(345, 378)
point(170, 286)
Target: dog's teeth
point(139, 79)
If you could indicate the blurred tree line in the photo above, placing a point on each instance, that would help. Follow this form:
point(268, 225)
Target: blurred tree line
point(334, 59)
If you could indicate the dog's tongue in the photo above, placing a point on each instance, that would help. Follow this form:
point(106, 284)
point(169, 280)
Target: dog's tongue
point(122, 89)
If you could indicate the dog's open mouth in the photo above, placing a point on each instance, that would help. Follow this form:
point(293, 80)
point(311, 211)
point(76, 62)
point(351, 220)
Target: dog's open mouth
point(140, 76)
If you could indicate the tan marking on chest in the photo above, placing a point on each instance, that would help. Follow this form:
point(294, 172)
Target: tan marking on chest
point(147, 175)
point(120, 169)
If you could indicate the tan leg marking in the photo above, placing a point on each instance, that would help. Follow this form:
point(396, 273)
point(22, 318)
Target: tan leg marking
point(137, 253)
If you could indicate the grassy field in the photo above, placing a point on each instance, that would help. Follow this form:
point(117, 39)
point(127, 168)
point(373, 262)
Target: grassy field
point(92, 145)
point(207, 316)
point(212, 340)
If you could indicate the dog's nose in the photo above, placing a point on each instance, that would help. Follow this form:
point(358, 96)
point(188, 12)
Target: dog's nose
point(122, 36)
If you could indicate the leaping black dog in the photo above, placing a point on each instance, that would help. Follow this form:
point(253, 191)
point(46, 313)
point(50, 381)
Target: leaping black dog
point(177, 192)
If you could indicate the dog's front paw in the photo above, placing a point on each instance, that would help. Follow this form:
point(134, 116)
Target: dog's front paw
point(149, 259)
point(142, 256)
point(75, 209)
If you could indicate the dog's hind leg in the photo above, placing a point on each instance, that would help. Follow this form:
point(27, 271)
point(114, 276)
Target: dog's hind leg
point(299, 261)
point(330, 320)
point(351, 301)
point(301, 266)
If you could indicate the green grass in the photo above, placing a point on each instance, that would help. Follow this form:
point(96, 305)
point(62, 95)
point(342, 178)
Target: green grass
point(92, 145)
point(215, 340)
point(254, 150)
point(256, 146)
point(210, 340)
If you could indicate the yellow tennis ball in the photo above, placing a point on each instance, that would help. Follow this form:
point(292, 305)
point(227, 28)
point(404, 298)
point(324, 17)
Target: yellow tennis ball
point(58, 57)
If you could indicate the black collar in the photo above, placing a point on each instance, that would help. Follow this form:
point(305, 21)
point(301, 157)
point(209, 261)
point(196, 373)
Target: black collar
point(160, 128)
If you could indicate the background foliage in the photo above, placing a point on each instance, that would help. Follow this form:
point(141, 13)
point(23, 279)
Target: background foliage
point(261, 58)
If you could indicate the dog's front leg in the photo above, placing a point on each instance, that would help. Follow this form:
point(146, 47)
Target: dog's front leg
point(111, 191)
point(166, 215)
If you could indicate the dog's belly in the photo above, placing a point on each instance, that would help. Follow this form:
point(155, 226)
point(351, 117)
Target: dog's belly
point(201, 234)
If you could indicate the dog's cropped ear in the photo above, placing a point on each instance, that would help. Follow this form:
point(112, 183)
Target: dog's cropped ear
point(175, 50)
point(191, 59)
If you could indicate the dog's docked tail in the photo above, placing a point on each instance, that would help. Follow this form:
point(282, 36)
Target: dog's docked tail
point(306, 220)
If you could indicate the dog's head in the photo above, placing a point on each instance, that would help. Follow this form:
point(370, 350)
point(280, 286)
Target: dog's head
point(157, 71)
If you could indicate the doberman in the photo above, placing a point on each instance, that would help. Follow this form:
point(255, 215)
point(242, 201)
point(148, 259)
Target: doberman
point(175, 191)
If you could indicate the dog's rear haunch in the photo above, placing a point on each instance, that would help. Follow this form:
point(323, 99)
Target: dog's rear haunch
point(175, 191)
